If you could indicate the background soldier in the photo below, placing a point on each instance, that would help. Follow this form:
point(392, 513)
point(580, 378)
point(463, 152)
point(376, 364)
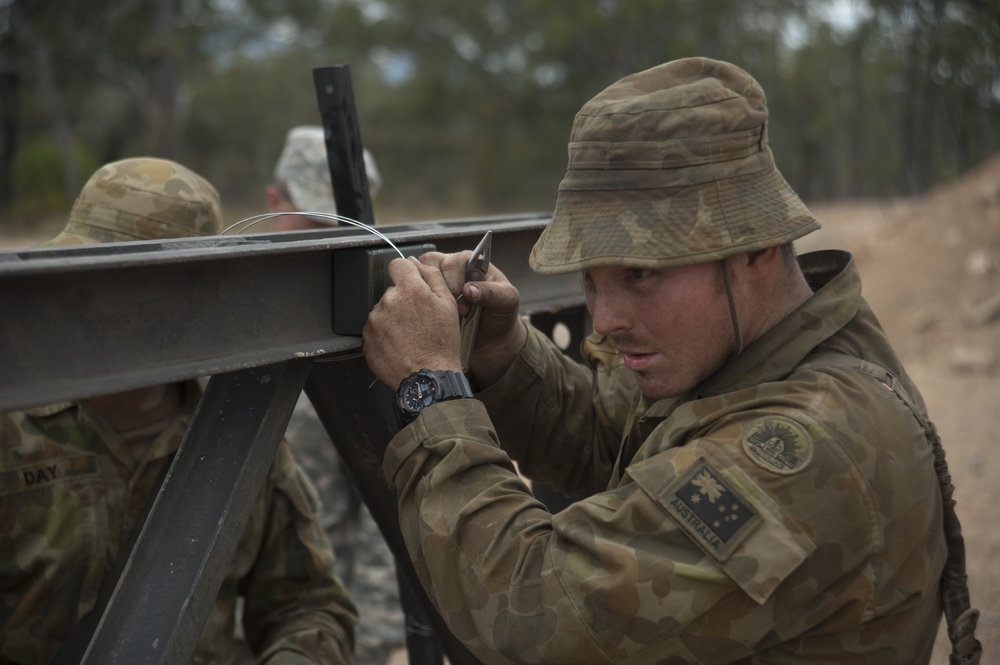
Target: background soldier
point(79, 475)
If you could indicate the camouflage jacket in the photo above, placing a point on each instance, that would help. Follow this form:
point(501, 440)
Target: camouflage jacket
point(784, 511)
point(72, 489)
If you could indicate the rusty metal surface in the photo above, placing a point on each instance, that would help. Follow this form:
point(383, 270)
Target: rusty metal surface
point(93, 320)
point(101, 319)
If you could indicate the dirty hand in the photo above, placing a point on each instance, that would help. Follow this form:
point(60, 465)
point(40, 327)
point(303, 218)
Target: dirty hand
point(414, 326)
point(501, 332)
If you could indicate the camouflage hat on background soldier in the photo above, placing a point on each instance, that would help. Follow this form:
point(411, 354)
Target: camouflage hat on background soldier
point(142, 198)
point(668, 167)
point(302, 168)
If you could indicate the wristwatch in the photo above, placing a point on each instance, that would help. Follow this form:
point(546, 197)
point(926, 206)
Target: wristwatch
point(425, 387)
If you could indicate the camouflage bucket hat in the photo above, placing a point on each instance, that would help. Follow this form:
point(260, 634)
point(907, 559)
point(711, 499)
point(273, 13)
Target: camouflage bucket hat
point(304, 170)
point(668, 167)
point(142, 199)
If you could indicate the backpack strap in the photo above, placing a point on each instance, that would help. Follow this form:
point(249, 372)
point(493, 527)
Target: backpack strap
point(959, 615)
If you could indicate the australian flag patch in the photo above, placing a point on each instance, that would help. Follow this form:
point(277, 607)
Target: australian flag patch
point(708, 508)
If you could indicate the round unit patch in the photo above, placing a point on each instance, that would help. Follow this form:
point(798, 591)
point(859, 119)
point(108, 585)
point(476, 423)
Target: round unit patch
point(778, 445)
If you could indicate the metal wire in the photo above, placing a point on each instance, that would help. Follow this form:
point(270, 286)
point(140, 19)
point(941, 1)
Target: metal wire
point(256, 219)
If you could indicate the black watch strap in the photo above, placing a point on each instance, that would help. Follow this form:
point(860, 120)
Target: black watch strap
point(426, 387)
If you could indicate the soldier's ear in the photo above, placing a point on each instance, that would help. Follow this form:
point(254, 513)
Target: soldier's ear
point(273, 198)
point(759, 263)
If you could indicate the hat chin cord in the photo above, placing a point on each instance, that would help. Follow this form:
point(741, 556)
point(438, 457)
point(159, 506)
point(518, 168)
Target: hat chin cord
point(733, 316)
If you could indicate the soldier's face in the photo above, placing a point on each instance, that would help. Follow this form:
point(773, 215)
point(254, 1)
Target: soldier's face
point(671, 325)
point(295, 223)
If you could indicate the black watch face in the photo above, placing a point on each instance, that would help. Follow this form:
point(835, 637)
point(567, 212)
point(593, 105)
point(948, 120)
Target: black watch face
point(419, 394)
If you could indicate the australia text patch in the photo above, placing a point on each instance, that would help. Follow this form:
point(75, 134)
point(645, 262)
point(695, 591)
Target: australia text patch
point(778, 445)
point(715, 515)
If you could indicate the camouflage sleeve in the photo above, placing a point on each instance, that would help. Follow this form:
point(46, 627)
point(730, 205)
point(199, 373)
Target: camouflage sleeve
point(570, 416)
point(296, 609)
point(603, 581)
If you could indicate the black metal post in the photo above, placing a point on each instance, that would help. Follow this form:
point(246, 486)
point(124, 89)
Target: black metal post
point(345, 156)
point(175, 570)
point(344, 149)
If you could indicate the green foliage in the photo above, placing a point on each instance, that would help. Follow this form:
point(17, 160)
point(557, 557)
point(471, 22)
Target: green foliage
point(467, 105)
point(38, 172)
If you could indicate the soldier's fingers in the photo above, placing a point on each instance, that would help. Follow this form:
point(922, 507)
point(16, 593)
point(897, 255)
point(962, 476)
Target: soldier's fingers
point(452, 266)
point(403, 270)
point(501, 297)
point(435, 280)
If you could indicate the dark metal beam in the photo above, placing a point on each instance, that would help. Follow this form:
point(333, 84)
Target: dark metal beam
point(180, 558)
point(99, 319)
point(356, 411)
point(348, 176)
point(344, 148)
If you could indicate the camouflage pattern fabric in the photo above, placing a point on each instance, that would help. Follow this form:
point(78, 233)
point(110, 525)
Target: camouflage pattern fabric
point(302, 168)
point(142, 198)
point(71, 489)
point(670, 166)
point(364, 562)
point(782, 512)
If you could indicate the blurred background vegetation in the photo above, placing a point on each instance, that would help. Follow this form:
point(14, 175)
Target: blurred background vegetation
point(467, 104)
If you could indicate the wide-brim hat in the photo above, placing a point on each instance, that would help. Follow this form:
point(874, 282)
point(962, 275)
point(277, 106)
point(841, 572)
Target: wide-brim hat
point(142, 198)
point(668, 167)
point(304, 169)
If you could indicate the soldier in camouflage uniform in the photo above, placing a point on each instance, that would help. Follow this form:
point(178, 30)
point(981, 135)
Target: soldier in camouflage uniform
point(302, 181)
point(78, 476)
point(364, 561)
point(755, 477)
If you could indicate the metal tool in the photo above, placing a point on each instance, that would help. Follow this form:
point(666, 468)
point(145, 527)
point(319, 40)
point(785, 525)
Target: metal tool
point(475, 271)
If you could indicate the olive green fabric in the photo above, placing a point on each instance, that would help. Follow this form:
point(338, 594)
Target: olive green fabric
point(142, 198)
point(670, 166)
point(783, 510)
point(71, 490)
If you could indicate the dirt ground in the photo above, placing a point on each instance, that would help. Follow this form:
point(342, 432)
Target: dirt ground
point(931, 270)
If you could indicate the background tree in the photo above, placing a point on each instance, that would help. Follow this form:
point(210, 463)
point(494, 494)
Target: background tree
point(467, 106)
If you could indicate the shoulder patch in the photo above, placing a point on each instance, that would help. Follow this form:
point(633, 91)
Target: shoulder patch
point(778, 445)
point(710, 510)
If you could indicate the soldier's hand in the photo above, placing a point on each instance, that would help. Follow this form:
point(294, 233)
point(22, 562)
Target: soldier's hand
point(414, 326)
point(501, 331)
